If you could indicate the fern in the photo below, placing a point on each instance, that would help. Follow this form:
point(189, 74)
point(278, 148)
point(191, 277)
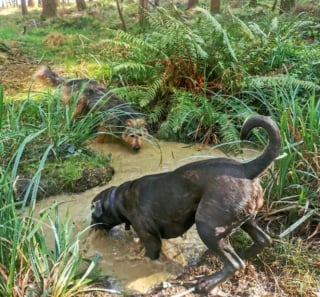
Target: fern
point(199, 119)
point(138, 42)
point(152, 91)
point(244, 27)
point(175, 36)
point(132, 66)
point(219, 29)
point(228, 132)
point(181, 59)
point(282, 80)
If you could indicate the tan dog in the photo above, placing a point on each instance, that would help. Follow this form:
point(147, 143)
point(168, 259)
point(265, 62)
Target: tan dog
point(120, 118)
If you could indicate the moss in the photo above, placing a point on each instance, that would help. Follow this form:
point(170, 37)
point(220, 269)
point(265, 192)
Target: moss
point(75, 174)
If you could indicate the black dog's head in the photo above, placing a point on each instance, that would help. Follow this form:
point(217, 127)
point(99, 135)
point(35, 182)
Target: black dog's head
point(103, 212)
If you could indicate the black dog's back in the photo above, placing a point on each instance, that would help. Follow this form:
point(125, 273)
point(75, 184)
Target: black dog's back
point(208, 188)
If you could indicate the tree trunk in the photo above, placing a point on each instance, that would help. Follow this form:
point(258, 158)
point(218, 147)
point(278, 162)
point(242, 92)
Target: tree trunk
point(143, 5)
point(81, 5)
point(24, 8)
point(121, 15)
point(192, 3)
point(286, 5)
point(31, 3)
point(215, 6)
point(49, 9)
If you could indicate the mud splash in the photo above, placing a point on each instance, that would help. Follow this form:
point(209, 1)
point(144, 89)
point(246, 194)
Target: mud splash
point(121, 253)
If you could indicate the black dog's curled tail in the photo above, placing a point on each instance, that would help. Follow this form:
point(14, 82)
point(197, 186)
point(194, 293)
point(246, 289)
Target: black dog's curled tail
point(255, 167)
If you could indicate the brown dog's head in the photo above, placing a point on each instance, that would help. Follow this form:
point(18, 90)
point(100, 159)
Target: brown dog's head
point(134, 133)
point(103, 213)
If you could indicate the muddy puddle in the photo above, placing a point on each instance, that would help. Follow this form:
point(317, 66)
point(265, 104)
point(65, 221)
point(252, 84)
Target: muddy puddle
point(121, 253)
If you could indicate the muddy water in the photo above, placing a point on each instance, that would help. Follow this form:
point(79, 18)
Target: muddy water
point(121, 253)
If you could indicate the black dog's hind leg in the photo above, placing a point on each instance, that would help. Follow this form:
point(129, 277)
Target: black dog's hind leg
point(217, 241)
point(259, 237)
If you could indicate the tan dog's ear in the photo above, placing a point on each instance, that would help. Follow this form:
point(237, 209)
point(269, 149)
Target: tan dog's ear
point(141, 123)
point(136, 123)
point(130, 123)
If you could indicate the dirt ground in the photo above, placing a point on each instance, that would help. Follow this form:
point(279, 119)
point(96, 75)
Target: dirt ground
point(16, 69)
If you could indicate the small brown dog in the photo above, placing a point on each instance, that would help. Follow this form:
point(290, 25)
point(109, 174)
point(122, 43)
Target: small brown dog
point(218, 195)
point(120, 118)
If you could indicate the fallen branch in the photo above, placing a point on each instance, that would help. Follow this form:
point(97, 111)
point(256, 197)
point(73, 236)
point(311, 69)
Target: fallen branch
point(184, 292)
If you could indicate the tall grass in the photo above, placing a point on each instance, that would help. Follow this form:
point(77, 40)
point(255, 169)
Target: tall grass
point(45, 112)
point(1, 105)
point(29, 264)
point(294, 181)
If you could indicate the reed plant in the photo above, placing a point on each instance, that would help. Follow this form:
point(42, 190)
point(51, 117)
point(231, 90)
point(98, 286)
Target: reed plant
point(293, 185)
point(29, 264)
point(44, 112)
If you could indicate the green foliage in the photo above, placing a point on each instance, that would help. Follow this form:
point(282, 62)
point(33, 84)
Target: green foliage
point(49, 115)
point(33, 134)
point(295, 261)
point(196, 75)
point(207, 55)
point(197, 118)
point(25, 255)
point(1, 105)
point(50, 123)
point(296, 174)
point(282, 80)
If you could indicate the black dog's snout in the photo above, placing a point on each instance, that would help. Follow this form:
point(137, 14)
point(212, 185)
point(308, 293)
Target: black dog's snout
point(96, 212)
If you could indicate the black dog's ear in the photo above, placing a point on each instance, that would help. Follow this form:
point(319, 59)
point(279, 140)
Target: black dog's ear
point(97, 208)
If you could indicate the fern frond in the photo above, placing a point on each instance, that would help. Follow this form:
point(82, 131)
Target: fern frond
point(282, 80)
point(255, 28)
point(140, 43)
point(243, 26)
point(135, 66)
point(151, 92)
point(219, 29)
point(157, 113)
point(175, 36)
point(116, 43)
point(228, 132)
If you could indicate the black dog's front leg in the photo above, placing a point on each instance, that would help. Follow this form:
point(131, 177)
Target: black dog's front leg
point(151, 243)
point(259, 237)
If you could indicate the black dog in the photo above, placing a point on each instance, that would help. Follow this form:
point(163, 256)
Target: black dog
point(216, 194)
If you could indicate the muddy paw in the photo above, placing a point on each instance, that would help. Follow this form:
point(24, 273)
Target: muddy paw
point(204, 286)
point(201, 287)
